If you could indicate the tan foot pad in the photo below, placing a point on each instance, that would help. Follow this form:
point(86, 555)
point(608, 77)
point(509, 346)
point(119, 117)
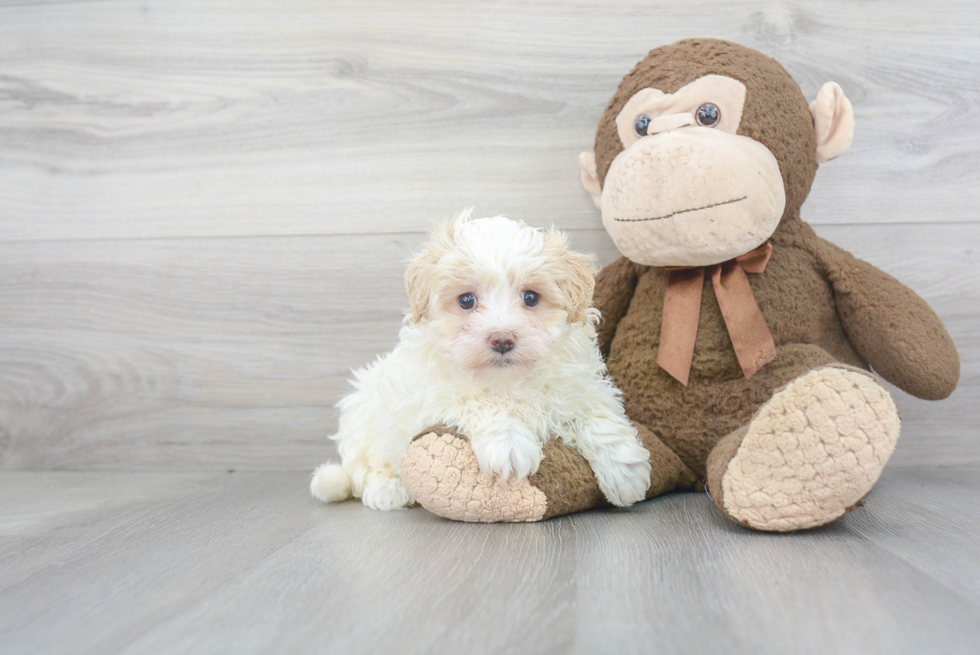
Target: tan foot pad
point(812, 452)
point(441, 471)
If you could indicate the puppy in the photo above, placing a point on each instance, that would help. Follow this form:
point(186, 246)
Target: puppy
point(500, 342)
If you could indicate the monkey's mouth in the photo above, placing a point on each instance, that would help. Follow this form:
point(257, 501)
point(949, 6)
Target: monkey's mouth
point(682, 211)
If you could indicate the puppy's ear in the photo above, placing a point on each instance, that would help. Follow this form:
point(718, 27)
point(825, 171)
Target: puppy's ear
point(575, 275)
point(418, 284)
point(420, 278)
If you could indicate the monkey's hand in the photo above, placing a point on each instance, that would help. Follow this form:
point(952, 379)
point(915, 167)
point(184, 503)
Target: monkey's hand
point(892, 328)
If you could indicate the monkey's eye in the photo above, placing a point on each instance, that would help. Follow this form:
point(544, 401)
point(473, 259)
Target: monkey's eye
point(531, 298)
point(708, 114)
point(641, 124)
point(467, 301)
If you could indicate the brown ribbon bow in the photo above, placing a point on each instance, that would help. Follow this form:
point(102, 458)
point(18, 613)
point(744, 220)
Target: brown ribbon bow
point(747, 328)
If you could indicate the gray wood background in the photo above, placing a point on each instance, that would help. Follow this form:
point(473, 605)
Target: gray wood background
point(205, 207)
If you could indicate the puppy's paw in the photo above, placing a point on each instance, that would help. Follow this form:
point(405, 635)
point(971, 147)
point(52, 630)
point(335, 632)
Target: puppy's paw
point(386, 493)
point(624, 484)
point(510, 449)
point(623, 473)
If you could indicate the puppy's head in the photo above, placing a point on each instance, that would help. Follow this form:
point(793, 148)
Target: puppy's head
point(497, 294)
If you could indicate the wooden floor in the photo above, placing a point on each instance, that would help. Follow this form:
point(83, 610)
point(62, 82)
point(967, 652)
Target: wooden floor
point(246, 562)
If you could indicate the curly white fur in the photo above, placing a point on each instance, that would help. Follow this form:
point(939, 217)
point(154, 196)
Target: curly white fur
point(444, 371)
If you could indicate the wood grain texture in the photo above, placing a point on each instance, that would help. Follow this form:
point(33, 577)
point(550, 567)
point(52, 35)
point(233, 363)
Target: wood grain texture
point(230, 353)
point(247, 562)
point(204, 208)
point(836, 589)
point(268, 117)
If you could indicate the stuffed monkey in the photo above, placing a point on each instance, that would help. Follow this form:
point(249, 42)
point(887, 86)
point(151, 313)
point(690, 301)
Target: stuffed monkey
point(743, 342)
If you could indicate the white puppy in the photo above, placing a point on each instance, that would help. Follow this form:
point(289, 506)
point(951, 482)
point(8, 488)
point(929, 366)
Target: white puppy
point(500, 342)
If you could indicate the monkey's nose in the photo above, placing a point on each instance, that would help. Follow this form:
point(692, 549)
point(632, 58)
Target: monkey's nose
point(502, 342)
point(670, 122)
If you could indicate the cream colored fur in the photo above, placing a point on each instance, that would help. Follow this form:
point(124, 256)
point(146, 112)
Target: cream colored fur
point(444, 372)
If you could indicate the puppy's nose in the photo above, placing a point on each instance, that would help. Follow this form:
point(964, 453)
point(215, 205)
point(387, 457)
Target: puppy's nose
point(502, 342)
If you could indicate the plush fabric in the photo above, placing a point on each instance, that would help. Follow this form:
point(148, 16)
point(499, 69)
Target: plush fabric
point(724, 92)
point(801, 441)
point(656, 215)
point(751, 339)
point(441, 468)
point(834, 120)
point(775, 113)
point(811, 452)
point(444, 477)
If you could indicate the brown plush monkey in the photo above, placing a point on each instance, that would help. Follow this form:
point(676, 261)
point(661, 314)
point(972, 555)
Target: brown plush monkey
point(741, 340)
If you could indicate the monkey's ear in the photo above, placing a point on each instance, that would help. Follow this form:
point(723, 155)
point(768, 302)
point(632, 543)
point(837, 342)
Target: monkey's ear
point(590, 179)
point(833, 120)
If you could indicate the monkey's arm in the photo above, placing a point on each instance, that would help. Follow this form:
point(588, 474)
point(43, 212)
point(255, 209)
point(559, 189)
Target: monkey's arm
point(892, 328)
point(614, 288)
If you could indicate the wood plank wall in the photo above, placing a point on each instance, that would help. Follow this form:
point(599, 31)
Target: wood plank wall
point(205, 207)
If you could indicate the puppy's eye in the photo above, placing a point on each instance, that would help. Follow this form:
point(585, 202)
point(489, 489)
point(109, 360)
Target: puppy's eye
point(708, 114)
point(531, 298)
point(641, 124)
point(467, 301)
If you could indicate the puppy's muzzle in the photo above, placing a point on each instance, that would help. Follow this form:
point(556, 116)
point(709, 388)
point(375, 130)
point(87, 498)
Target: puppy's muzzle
point(502, 342)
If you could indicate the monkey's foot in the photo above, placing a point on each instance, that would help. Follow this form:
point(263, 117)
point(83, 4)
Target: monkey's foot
point(809, 455)
point(440, 469)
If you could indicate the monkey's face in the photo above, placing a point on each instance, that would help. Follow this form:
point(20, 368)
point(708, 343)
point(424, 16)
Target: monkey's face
point(687, 190)
point(705, 149)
